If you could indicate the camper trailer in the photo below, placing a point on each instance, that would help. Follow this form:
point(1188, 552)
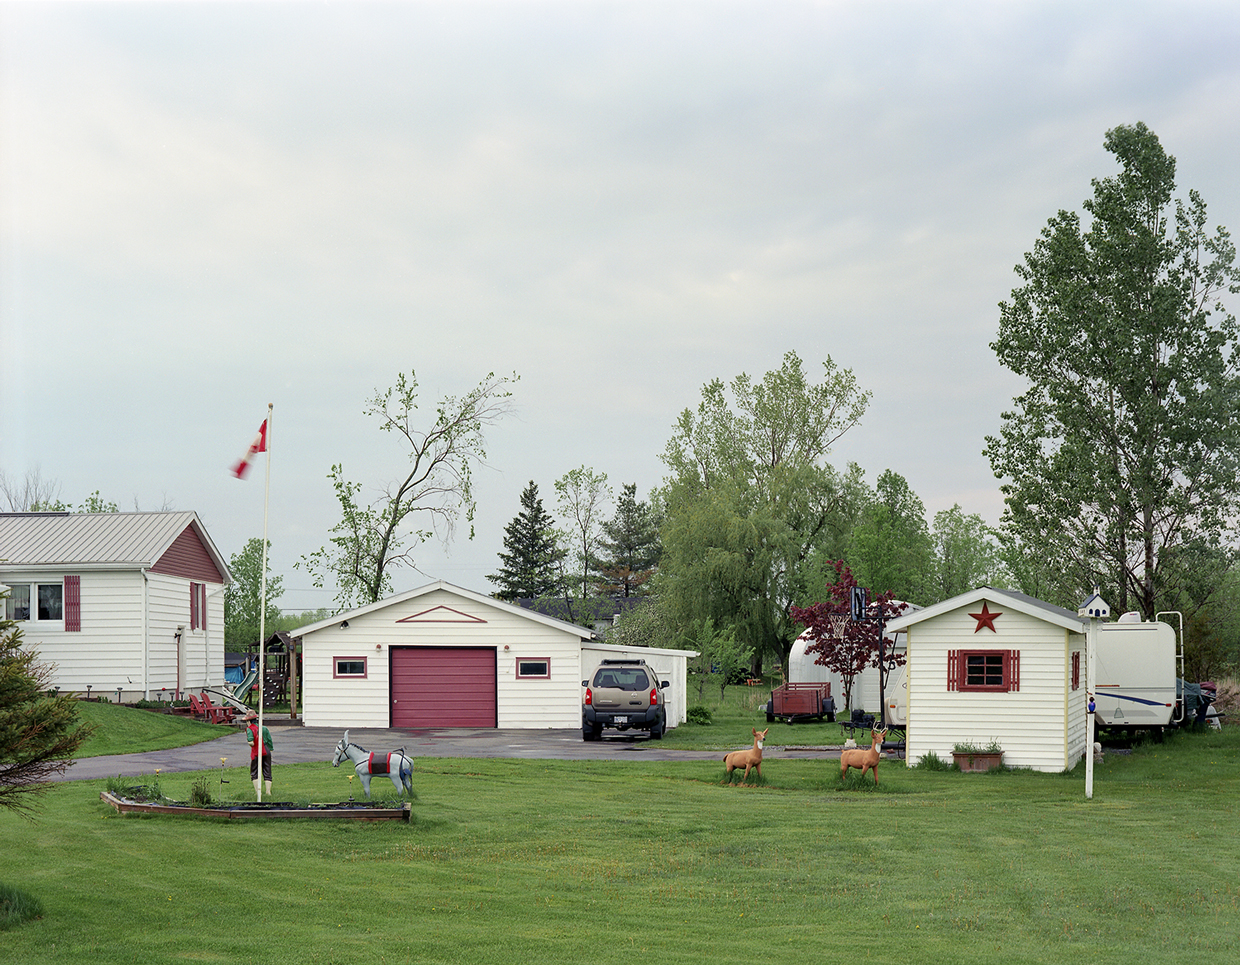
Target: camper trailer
point(1135, 674)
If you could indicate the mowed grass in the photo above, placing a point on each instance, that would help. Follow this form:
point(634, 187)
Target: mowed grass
point(541, 861)
point(123, 730)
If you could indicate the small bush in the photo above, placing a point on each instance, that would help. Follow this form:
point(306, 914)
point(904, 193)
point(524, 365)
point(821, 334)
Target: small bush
point(930, 762)
point(17, 907)
point(698, 714)
point(200, 793)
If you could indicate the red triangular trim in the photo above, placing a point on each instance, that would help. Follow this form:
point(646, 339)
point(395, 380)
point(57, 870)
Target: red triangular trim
point(440, 614)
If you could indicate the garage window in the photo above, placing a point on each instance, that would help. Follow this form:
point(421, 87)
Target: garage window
point(349, 667)
point(533, 668)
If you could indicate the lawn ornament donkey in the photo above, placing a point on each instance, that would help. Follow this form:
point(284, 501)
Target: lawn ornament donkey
point(395, 764)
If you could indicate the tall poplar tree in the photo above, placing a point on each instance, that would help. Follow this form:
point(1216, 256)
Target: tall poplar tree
point(1122, 455)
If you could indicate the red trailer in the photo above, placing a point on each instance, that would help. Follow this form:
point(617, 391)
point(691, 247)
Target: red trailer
point(802, 701)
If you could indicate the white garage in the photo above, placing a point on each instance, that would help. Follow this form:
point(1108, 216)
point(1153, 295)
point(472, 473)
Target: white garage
point(443, 656)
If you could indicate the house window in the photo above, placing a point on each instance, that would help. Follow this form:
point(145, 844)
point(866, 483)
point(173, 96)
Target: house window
point(1076, 670)
point(995, 671)
point(198, 606)
point(533, 668)
point(35, 601)
point(349, 667)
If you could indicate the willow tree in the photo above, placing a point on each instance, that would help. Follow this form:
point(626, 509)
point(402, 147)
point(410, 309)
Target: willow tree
point(1123, 452)
point(751, 507)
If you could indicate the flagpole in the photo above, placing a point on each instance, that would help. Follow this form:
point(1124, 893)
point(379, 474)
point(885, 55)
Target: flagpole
point(262, 617)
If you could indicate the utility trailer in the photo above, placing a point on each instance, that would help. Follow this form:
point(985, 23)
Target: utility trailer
point(801, 701)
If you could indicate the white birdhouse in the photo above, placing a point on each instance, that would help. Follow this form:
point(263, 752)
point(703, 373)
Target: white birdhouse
point(1095, 606)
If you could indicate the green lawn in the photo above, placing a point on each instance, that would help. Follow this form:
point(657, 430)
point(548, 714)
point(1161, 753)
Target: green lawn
point(537, 861)
point(123, 730)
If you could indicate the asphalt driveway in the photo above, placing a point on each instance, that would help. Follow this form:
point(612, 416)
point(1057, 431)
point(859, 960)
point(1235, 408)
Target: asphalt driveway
point(298, 745)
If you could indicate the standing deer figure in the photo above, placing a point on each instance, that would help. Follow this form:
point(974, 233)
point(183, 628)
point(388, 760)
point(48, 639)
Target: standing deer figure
point(864, 760)
point(750, 758)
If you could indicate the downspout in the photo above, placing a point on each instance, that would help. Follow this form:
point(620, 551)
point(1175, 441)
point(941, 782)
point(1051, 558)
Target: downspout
point(146, 693)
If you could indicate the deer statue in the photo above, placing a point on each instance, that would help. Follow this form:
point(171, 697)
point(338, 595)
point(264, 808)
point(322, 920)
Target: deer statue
point(864, 760)
point(748, 759)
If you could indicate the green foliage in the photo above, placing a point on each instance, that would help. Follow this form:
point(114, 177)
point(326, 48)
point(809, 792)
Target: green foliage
point(647, 624)
point(629, 548)
point(582, 495)
point(891, 550)
point(969, 747)
point(530, 567)
point(1122, 453)
point(721, 657)
point(243, 598)
point(39, 731)
point(931, 761)
point(200, 792)
point(966, 554)
point(699, 714)
point(751, 504)
point(17, 906)
point(371, 540)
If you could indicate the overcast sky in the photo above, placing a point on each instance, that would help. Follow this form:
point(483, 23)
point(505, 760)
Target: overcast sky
point(208, 207)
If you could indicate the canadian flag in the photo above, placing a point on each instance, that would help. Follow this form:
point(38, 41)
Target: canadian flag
point(258, 445)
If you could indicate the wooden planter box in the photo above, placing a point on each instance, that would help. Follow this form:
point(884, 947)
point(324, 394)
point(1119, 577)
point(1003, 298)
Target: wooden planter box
point(978, 762)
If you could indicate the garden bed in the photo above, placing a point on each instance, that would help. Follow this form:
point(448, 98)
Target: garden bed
point(345, 811)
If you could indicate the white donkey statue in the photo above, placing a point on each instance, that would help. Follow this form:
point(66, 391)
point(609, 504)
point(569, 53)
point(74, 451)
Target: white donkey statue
point(395, 764)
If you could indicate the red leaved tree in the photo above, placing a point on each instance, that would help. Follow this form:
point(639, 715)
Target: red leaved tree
point(843, 646)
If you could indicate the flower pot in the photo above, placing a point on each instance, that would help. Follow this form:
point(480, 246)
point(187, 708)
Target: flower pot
point(977, 761)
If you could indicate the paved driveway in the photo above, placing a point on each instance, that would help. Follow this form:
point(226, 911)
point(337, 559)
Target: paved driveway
point(297, 745)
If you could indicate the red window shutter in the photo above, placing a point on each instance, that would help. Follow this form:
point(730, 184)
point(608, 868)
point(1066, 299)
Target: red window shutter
point(73, 604)
point(202, 605)
point(1013, 670)
point(1076, 670)
point(193, 606)
point(953, 669)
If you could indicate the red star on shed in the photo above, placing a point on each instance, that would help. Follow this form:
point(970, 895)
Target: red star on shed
point(985, 618)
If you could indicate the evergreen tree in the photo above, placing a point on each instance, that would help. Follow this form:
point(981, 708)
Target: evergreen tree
point(39, 730)
point(630, 547)
point(530, 567)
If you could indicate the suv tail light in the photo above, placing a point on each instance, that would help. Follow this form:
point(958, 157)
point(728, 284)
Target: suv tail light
point(589, 696)
point(654, 696)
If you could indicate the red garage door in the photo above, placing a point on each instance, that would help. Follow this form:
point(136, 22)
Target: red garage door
point(443, 687)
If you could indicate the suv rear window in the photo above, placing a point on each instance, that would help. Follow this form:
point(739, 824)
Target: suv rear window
point(622, 678)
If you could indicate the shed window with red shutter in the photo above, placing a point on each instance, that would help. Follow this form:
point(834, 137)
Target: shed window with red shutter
point(995, 671)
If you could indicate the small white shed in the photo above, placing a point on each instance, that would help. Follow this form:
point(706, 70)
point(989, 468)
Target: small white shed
point(443, 656)
point(996, 665)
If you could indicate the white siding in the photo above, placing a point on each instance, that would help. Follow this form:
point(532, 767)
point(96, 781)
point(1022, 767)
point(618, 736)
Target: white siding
point(200, 652)
point(441, 618)
point(107, 652)
point(1041, 726)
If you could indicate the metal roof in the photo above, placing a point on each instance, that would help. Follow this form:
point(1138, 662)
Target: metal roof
point(95, 539)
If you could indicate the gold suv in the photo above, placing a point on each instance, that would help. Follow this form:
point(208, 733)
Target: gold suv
point(624, 694)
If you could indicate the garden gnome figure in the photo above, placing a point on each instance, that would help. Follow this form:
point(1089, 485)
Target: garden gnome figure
point(251, 738)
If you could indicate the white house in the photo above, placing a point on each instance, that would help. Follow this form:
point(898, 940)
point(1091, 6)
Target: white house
point(123, 605)
point(995, 665)
point(443, 656)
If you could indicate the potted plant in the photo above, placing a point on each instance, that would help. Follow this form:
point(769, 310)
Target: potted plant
point(970, 757)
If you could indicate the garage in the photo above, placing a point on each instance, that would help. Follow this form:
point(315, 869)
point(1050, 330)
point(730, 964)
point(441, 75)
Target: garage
point(443, 687)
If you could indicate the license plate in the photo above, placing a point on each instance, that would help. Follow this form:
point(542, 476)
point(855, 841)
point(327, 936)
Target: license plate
point(620, 720)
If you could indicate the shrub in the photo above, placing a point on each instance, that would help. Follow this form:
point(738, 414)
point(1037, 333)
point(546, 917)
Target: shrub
point(930, 762)
point(200, 793)
point(698, 714)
